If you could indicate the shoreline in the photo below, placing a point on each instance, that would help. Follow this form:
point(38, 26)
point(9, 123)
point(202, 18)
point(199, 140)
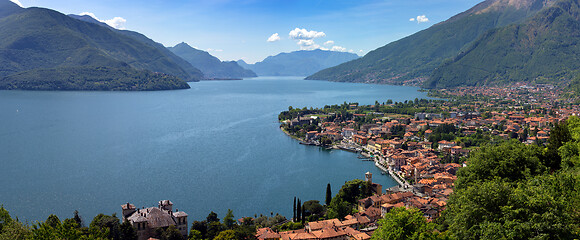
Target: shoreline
point(378, 165)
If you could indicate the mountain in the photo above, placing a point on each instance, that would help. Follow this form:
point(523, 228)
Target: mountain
point(38, 40)
point(211, 66)
point(189, 68)
point(543, 49)
point(299, 63)
point(411, 60)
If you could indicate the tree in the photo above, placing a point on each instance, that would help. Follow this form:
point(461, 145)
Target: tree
point(303, 215)
point(52, 221)
point(78, 218)
point(542, 207)
point(105, 223)
point(226, 235)
point(298, 210)
point(127, 231)
point(328, 194)
point(213, 229)
point(201, 227)
point(312, 207)
point(212, 217)
point(171, 233)
point(229, 219)
point(294, 210)
point(510, 161)
point(194, 235)
point(338, 209)
point(401, 223)
point(10, 228)
point(558, 136)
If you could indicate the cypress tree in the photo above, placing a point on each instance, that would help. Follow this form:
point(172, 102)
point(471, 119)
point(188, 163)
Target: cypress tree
point(298, 210)
point(328, 194)
point(294, 211)
point(303, 215)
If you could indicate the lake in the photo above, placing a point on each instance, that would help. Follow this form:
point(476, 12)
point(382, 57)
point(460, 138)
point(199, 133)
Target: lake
point(209, 148)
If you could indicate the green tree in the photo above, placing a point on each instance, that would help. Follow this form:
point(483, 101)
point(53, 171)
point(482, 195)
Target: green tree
point(294, 210)
point(201, 227)
point(226, 235)
point(509, 161)
point(127, 231)
point(213, 229)
point(106, 223)
point(195, 235)
point(10, 228)
point(212, 217)
point(558, 137)
point(401, 224)
point(298, 210)
point(328, 194)
point(78, 218)
point(338, 208)
point(171, 233)
point(229, 219)
point(313, 207)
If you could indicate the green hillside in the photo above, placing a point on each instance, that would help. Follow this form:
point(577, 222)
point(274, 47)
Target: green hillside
point(545, 48)
point(411, 60)
point(37, 38)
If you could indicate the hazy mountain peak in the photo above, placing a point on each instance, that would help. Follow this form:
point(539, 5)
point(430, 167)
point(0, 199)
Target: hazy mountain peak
point(211, 66)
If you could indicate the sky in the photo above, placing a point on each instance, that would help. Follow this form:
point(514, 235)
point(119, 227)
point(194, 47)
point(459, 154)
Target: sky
point(255, 29)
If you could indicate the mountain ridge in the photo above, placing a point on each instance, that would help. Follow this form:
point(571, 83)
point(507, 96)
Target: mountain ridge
point(211, 66)
point(543, 49)
point(298, 63)
point(411, 60)
point(37, 38)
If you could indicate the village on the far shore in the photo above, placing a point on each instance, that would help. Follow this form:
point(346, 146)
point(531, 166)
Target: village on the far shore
point(421, 144)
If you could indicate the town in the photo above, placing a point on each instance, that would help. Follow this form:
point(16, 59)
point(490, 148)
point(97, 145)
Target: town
point(421, 144)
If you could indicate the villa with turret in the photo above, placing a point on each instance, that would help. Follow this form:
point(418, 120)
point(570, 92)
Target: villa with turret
point(147, 220)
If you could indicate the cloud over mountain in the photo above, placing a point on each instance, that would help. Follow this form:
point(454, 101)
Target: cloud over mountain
point(303, 34)
point(116, 22)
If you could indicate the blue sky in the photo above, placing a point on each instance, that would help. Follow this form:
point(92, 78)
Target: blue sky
point(240, 29)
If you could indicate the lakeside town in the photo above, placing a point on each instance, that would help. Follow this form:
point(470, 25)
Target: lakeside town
point(421, 144)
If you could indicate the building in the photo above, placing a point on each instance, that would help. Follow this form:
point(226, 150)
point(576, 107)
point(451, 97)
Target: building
point(147, 220)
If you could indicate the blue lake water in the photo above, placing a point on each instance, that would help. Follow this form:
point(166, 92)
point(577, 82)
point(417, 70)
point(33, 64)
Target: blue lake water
point(209, 148)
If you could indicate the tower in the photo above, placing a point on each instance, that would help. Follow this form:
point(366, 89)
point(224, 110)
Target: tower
point(128, 209)
point(369, 177)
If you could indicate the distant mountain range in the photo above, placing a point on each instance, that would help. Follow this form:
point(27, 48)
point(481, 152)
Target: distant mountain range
point(41, 49)
point(211, 66)
point(495, 42)
point(299, 63)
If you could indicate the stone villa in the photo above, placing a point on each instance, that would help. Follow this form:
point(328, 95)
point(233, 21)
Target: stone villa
point(147, 220)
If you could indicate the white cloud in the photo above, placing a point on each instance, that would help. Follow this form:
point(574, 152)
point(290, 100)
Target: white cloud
point(116, 22)
point(214, 50)
point(422, 18)
point(338, 49)
point(305, 34)
point(303, 42)
point(307, 44)
point(328, 43)
point(17, 2)
point(275, 37)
